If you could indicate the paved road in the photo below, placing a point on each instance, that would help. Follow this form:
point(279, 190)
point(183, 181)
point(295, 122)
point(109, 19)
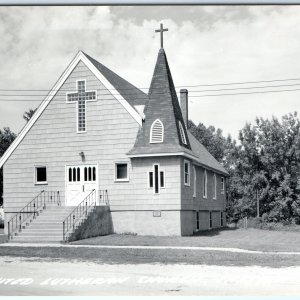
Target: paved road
point(40, 277)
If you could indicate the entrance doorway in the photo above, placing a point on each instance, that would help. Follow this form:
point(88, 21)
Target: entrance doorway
point(81, 180)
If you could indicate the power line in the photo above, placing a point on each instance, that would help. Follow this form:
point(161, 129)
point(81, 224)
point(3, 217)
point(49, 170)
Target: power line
point(181, 86)
point(199, 91)
point(193, 96)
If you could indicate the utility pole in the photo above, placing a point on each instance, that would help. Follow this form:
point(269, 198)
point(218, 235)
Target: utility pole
point(257, 203)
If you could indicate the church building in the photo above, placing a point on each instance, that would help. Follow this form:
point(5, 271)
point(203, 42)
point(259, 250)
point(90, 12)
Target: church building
point(97, 141)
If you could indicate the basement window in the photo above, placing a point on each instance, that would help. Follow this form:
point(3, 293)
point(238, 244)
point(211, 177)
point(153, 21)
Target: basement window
point(41, 175)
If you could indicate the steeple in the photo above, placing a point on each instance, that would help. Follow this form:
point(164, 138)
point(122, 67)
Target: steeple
point(162, 105)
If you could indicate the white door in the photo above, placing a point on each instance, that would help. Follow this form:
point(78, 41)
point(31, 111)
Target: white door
point(81, 180)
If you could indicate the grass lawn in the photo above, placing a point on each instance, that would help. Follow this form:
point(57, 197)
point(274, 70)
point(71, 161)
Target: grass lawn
point(143, 256)
point(251, 239)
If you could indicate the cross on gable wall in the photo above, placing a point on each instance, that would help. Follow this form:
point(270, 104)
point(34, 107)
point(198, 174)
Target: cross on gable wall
point(80, 98)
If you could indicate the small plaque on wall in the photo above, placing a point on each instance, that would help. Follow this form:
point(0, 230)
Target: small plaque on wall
point(156, 213)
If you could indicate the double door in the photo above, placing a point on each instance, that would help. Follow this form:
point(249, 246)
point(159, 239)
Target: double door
point(81, 180)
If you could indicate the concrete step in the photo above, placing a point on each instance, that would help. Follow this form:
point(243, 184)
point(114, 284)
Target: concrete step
point(40, 234)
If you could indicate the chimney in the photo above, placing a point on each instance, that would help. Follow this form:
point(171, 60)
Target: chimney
point(184, 105)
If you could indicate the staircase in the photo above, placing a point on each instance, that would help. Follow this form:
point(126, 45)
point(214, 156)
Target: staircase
point(46, 227)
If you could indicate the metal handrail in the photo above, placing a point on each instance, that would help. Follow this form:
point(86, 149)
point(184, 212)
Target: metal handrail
point(78, 213)
point(31, 209)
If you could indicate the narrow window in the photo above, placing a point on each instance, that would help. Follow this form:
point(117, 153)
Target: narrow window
point(157, 132)
point(90, 174)
point(222, 185)
point(150, 179)
point(70, 175)
point(41, 175)
point(205, 184)
point(74, 174)
point(215, 187)
point(182, 134)
point(162, 179)
point(195, 182)
point(186, 172)
point(156, 182)
point(197, 220)
point(78, 174)
point(94, 173)
point(121, 172)
point(210, 219)
point(85, 173)
point(221, 221)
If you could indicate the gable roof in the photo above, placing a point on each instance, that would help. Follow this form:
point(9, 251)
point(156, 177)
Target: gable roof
point(128, 91)
point(204, 158)
point(163, 105)
point(108, 79)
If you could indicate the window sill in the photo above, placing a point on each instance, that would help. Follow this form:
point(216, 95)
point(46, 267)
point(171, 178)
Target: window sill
point(187, 185)
point(41, 183)
point(121, 180)
point(204, 197)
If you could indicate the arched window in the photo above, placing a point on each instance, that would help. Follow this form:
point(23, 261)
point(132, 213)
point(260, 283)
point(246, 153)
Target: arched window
point(205, 184)
point(157, 132)
point(182, 134)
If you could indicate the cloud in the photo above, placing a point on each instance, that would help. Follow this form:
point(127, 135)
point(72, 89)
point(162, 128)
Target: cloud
point(204, 44)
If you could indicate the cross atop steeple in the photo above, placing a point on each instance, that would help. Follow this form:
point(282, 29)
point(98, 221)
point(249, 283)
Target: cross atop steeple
point(161, 30)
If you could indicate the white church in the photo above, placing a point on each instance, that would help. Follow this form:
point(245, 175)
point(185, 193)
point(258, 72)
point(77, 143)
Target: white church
point(100, 156)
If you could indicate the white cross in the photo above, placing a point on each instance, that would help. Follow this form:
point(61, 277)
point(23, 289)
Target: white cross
point(81, 97)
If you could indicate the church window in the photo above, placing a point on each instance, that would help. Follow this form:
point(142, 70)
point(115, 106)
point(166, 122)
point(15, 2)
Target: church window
point(182, 134)
point(121, 172)
point(222, 185)
point(195, 182)
point(221, 221)
point(156, 179)
point(215, 187)
point(150, 175)
point(205, 184)
point(41, 175)
point(157, 132)
point(210, 220)
point(186, 173)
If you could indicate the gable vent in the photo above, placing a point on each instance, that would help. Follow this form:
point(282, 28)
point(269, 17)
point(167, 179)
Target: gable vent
point(182, 134)
point(157, 132)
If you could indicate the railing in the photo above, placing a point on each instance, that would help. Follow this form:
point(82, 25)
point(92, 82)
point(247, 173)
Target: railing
point(31, 210)
point(78, 214)
point(103, 197)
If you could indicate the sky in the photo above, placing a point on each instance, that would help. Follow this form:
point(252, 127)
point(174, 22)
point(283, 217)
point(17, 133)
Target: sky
point(205, 45)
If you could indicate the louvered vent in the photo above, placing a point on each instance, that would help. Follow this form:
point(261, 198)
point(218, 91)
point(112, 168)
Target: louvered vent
point(157, 132)
point(182, 134)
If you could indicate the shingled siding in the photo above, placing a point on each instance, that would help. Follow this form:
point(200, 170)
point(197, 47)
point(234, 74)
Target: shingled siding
point(53, 141)
point(199, 203)
point(140, 218)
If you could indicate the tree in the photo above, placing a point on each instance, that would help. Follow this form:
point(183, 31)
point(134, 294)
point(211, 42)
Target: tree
point(6, 138)
point(28, 114)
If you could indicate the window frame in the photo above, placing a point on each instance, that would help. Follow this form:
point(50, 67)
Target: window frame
point(210, 220)
point(159, 171)
point(215, 186)
point(116, 171)
point(35, 175)
point(222, 185)
point(188, 183)
point(204, 183)
point(162, 132)
point(221, 219)
point(195, 182)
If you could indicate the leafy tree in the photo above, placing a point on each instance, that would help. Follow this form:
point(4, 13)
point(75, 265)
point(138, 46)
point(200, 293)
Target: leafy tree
point(6, 138)
point(28, 114)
